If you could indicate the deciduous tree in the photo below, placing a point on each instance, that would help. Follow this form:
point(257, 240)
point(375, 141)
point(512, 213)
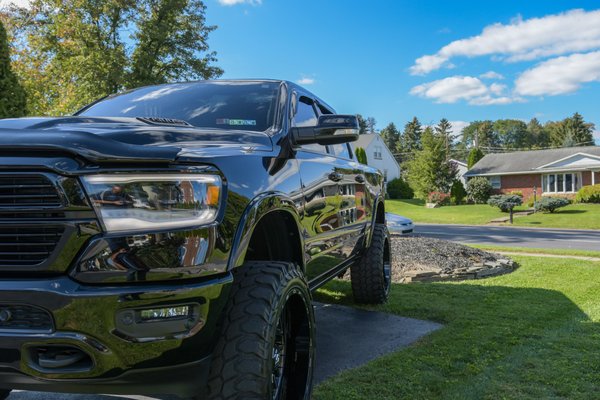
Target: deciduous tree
point(70, 53)
point(12, 95)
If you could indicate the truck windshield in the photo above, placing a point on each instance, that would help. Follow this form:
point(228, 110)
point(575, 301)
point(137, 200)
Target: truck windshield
point(246, 105)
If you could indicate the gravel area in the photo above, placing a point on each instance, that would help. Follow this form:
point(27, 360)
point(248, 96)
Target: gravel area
point(418, 258)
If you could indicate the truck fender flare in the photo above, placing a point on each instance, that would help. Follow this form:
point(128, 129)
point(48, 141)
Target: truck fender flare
point(259, 207)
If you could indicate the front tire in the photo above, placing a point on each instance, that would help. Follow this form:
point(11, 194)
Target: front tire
point(371, 276)
point(266, 349)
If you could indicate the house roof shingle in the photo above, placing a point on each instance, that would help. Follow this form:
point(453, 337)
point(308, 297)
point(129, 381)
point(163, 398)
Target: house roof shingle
point(525, 161)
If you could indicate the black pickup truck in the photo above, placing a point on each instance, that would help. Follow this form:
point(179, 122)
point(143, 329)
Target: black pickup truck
point(166, 240)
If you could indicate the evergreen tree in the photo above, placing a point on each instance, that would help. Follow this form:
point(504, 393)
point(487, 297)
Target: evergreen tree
point(474, 156)
point(361, 155)
point(12, 95)
point(444, 130)
point(411, 138)
point(429, 170)
point(571, 131)
point(390, 136)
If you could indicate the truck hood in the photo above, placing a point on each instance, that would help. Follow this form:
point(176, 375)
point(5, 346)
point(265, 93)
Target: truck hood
point(102, 139)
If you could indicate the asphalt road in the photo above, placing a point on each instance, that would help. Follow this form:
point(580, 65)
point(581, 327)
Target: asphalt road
point(346, 338)
point(515, 237)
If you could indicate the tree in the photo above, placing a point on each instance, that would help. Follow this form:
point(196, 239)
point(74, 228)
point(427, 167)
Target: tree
point(511, 133)
point(12, 95)
point(362, 125)
point(506, 203)
point(361, 155)
point(480, 134)
point(371, 122)
point(474, 156)
point(390, 136)
point(429, 170)
point(537, 135)
point(444, 130)
point(571, 131)
point(410, 140)
point(70, 53)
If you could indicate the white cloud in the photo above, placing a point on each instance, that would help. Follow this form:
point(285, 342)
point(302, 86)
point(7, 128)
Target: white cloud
point(467, 88)
point(305, 81)
point(457, 127)
point(559, 75)
point(18, 3)
point(235, 2)
point(552, 35)
point(491, 75)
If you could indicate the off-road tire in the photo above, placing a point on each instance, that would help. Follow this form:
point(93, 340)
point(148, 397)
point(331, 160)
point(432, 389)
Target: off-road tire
point(371, 275)
point(244, 360)
point(4, 394)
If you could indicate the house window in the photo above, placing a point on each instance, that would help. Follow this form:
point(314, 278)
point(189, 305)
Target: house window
point(377, 153)
point(495, 181)
point(560, 183)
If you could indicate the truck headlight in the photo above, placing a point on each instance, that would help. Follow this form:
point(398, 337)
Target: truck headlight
point(146, 202)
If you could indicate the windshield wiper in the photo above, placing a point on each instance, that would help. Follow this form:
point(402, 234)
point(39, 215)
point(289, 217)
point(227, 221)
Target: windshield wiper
point(164, 121)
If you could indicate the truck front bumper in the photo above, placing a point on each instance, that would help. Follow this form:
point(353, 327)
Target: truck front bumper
point(61, 336)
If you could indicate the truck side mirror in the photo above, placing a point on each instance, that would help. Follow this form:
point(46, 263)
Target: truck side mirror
point(330, 129)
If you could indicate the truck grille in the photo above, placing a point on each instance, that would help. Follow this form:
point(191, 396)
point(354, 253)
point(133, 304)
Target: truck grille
point(22, 191)
point(28, 245)
point(30, 211)
point(23, 317)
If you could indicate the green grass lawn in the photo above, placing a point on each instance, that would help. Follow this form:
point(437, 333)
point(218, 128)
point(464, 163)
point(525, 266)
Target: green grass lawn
point(559, 252)
point(531, 334)
point(575, 216)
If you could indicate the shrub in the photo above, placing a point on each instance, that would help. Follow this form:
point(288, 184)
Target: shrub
point(399, 189)
point(550, 204)
point(505, 202)
point(588, 194)
point(457, 192)
point(439, 198)
point(479, 189)
point(529, 202)
point(517, 193)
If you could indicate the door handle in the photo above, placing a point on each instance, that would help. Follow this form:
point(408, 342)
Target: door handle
point(335, 176)
point(360, 179)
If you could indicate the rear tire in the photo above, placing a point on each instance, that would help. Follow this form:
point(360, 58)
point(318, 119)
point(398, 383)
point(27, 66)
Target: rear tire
point(371, 276)
point(266, 349)
point(4, 394)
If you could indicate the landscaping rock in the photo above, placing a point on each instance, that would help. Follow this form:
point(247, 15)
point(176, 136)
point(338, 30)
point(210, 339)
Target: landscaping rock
point(421, 259)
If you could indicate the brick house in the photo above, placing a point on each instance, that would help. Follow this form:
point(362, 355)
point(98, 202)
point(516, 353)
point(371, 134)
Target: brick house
point(555, 172)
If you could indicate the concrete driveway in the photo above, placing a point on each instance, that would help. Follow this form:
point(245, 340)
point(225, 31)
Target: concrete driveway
point(346, 338)
point(513, 236)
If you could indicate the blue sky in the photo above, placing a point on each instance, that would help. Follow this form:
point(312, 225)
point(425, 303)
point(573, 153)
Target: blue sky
point(462, 60)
